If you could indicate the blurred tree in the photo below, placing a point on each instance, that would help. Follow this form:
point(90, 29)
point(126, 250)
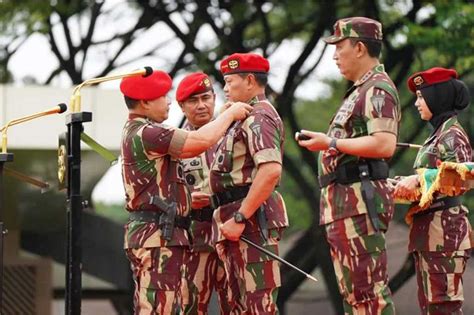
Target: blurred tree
point(89, 35)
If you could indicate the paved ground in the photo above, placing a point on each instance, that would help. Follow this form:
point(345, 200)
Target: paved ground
point(311, 297)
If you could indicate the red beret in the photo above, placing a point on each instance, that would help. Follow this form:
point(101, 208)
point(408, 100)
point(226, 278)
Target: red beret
point(194, 83)
point(429, 77)
point(242, 63)
point(147, 88)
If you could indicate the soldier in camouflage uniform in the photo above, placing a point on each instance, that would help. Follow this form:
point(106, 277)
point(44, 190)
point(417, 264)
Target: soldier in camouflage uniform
point(244, 174)
point(204, 270)
point(156, 240)
point(440, 236)
point(356, 199)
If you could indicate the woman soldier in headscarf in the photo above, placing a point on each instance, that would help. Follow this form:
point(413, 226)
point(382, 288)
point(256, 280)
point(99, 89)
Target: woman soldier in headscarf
point(440, 236)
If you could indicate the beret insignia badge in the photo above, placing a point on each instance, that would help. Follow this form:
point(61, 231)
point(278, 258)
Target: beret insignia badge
point(233, 64)
point(418, 80)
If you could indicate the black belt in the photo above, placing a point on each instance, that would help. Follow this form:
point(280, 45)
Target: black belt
point(153, 216)
point(228, 196)
point(442, 204)
point(202, 215)
point(363, 171)
point(350, 173)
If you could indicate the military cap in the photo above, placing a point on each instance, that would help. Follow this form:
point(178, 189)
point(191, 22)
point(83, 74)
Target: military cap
point(243, 63)
point(430, 77)
point(194, 83)
point(146, 88)
point(355, 27)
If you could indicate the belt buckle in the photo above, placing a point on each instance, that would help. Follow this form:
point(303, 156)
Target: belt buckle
point(364, 171)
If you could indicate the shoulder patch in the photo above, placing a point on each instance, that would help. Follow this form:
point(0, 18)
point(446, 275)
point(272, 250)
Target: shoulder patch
point(378, 101)
point(256, 129)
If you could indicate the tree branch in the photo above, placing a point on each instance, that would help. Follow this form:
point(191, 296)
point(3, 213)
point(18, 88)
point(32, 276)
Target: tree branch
point(87, 40)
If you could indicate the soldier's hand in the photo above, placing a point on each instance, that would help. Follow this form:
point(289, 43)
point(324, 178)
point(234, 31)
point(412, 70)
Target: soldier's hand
point(318, 141)
point(232, 230)
point(239, 110)
point(225, 107)
point(200, 200)
point(407, 188)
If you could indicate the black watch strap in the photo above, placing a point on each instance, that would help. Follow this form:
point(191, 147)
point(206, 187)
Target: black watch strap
point(239, 217)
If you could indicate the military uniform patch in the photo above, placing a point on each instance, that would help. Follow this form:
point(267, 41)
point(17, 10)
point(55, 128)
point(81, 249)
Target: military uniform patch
point(190, 179)
point(432, 149)
point(378, 101)
point(448, 141)
point(256, 129)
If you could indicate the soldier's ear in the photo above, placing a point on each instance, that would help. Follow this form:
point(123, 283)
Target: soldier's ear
point(251, 80)
point(181, 105)
point(144, 105)
point(361, 49)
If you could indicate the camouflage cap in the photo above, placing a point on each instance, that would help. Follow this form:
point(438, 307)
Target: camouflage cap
point(355, 27)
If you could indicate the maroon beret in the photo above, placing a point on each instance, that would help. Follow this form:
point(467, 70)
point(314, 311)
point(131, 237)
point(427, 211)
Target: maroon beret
point(194, 83)
point(147, 88)
point(429, 77)
point(242, 63)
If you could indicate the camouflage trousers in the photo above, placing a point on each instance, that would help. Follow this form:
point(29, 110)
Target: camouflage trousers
point(157, 274)
point(439, 277)
point(360, 263)
point(204, 273)
point(252, 277)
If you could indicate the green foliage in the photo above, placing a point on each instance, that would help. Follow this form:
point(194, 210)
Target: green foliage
point(445, 37)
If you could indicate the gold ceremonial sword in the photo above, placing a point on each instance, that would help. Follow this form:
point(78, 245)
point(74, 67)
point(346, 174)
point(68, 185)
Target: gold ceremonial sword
point(409, 145)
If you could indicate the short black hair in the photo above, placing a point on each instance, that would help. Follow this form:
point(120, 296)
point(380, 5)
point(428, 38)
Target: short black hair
point(374, 47)
point(131, 102)
point(260, 77)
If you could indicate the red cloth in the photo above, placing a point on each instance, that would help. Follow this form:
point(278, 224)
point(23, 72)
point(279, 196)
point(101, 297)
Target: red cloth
point(147, 88)
point(429, 77)
point(194, 83)
point(243, 63)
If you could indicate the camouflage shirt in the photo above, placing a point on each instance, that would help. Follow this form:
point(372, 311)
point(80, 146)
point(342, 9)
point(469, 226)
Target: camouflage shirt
point(446, 230)
point(257, 140)
point(196, 174)
point(150, 168)
point(371, 105)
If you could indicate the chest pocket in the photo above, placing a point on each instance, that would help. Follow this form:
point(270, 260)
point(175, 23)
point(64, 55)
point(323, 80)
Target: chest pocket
point(193, 170)
point(223, 160)
point(428, 154)
point(339, 122)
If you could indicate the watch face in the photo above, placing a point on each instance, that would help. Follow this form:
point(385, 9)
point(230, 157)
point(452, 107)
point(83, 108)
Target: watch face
point(239, 217)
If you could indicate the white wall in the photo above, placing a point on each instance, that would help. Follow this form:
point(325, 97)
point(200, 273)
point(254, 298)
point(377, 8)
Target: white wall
point(107, 106)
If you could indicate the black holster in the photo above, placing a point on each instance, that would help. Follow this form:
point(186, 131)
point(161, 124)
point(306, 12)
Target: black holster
point(167, 218)
point(368, 194)
point(364, 172)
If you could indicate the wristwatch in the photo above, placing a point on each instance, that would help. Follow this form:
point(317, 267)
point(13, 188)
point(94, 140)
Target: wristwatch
point(239, 217)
